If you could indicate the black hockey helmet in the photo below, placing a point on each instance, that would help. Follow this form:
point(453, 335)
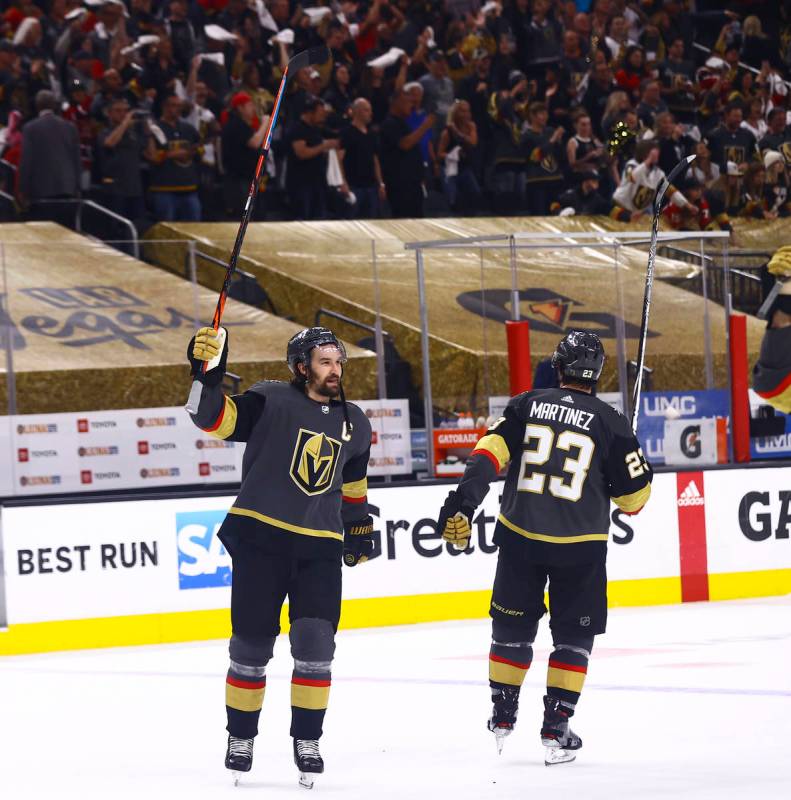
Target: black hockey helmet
point(301, 344)
point(579, 355)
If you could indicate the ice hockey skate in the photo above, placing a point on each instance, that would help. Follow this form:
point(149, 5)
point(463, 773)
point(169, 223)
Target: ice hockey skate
point(556, 736)
point(239, 757)
point(308, 760)
point(501, 723)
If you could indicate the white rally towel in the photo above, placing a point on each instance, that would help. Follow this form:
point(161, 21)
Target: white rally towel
point(286, 36)
point(317, 13)
point(388, 59)
point(334, 175)
point(143, 41)
point(219, 34)
point(264, 17)
point(452, 162)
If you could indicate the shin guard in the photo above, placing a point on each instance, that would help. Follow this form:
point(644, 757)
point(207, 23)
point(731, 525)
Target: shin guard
point(313, 646)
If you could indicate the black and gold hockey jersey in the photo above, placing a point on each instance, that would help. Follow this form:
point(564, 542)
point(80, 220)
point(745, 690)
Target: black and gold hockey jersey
point(300, 479)
point(569, 454)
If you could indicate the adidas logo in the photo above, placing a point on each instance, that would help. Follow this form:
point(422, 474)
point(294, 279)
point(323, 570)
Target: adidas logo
point(567, 399)
point(690, 496)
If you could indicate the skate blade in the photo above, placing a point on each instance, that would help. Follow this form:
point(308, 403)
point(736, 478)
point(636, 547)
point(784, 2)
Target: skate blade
point(237, 776)
point(557, 755)
point(306, 780)
point(499, 739)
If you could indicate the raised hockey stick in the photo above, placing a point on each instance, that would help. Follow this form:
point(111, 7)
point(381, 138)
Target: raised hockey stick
point(315, 55)
point(649, 281)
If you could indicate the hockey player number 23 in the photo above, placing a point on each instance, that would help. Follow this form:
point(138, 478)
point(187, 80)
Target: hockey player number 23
point(539, 440)
point(636, 463)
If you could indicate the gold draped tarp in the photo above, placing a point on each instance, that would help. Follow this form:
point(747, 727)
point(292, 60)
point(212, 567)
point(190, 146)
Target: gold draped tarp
point(90, 328)
point(307, 266)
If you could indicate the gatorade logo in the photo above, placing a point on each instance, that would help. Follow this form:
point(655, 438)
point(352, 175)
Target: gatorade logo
point(691, 445)
point(691, 495)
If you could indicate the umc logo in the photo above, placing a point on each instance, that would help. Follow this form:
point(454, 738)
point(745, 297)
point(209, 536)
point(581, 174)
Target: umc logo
point(314, 461)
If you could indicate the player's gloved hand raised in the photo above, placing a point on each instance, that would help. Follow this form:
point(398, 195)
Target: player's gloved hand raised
point(211, 346)
point(454, 521)
point(358, 541)
point(780, 264)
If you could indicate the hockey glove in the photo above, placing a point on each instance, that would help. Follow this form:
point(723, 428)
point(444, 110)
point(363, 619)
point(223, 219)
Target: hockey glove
point(358, 542)
point(211, 346)
point(454, 521)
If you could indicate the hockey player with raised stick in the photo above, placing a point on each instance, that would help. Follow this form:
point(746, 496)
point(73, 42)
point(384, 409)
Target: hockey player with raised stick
point(772, 372)
point(570, 454)
point(301, 509)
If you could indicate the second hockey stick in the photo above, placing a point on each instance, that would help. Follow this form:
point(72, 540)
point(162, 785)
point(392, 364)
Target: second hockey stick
point(315, 55)
point(663, 186)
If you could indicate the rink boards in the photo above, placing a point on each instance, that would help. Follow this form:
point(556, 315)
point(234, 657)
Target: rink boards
point(137, 572)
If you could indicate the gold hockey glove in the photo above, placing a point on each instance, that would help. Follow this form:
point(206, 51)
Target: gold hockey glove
point(454, 521)
point(358, 542)
point(780, 263)
point(211, 346)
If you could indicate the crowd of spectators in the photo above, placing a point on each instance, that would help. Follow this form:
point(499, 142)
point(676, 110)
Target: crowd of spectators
point(157, 108)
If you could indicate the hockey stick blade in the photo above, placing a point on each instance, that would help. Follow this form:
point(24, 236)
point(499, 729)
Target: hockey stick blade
point(309, 57)
point(667, 182)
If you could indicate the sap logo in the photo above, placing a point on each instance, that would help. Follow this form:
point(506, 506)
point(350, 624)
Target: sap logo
point(759, 520)
point(657, 406)
point(203, 561)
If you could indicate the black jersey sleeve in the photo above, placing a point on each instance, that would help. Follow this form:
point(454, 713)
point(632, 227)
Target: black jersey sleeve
point(231, 418)
point(629, 474)
point(354, 490)
point(492, 452)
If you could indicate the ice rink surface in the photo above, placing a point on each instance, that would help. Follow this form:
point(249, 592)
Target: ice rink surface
point(689, 701)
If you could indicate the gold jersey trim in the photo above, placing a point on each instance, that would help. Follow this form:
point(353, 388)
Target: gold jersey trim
point(542, 537)
point(634, 501)
point(495, 444)
point(355, 489)
point(286, 526)
point(226, 422)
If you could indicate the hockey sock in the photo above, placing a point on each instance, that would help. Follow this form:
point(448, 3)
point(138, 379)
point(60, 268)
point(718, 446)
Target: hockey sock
point(244, 696)
point(508, 665)
point(310, 694)
point(568, 665)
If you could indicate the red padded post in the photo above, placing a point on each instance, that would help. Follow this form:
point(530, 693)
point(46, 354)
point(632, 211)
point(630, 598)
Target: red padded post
point(519, 370)
point(740, 402)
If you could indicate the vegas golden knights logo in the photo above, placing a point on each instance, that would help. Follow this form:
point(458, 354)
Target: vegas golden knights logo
point(314, 461)
point(549, 163)
point(642, 197)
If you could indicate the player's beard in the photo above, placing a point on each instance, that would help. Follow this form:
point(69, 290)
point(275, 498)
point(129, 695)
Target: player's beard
point(328, 388)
